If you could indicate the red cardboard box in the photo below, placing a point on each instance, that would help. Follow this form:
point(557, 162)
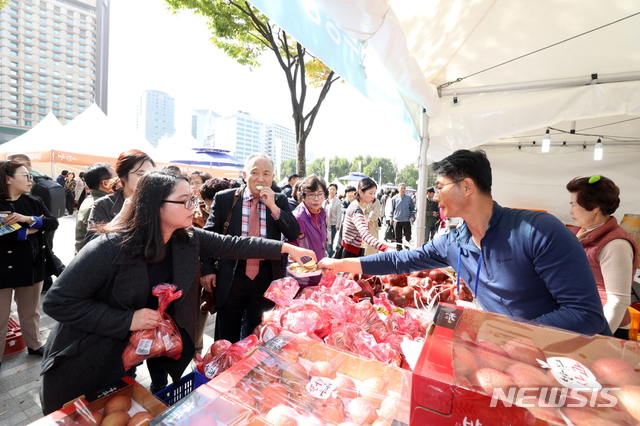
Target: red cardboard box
point(14, 343)
point(455, 379)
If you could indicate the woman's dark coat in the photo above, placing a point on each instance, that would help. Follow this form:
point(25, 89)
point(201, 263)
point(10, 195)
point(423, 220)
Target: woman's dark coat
point(23, 263)
point(94, 300)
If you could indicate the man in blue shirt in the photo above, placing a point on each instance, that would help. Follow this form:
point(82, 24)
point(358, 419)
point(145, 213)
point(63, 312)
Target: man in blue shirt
point(516, 262)
point(402, 215)
point(62, 178)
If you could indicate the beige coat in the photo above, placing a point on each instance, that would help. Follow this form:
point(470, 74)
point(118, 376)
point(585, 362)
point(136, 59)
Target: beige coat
point(376, 209)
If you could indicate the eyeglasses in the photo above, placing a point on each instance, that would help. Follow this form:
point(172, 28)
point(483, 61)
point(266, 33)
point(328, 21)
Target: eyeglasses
point(319, 196)
point(189, 203)
point(28, 175)
point(438, 189)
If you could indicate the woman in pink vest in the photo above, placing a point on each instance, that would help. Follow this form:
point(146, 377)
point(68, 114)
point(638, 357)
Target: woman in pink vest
point(612, 253)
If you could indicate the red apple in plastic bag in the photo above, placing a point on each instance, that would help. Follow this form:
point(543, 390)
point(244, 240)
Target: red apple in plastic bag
point(346, 387)
point(615, 372)
point(330, 410)
point(272, 395)
point(362, 411)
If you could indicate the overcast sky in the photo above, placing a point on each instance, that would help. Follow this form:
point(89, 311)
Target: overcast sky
point(151, 49)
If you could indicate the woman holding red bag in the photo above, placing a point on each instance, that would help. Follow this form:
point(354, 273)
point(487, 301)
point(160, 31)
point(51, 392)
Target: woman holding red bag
point(105, 292)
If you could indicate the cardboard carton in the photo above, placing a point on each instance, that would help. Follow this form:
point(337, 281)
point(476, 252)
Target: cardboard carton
point(78, 410)
point(450, 387)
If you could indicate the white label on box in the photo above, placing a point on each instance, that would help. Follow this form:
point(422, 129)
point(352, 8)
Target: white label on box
point(321, 387)
point(144, 346)
point(571, 373)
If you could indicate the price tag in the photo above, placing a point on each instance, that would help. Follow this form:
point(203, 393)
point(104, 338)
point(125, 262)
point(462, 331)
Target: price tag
point(321, 387)
point(571, 373)
point(166, 339)
point(144, 346)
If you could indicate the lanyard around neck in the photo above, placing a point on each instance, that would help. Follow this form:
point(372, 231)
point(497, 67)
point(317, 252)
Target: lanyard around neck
point(475, 286)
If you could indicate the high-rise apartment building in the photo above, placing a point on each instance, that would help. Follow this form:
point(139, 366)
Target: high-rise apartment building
point(53, 57)
point(240, 133)
point(156, 116)
point(279, 143)
point(203, 125)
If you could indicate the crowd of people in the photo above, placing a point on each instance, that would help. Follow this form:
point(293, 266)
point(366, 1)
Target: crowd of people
point(225, 241)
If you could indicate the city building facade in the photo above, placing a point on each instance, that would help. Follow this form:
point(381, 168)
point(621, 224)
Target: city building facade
point(279, 143)
point(53, 57)
point(239, 133)
point(155, 118)
point(203, 126)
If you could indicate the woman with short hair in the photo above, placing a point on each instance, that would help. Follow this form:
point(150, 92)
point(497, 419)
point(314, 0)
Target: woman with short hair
point(611, 251)
point(312, 219)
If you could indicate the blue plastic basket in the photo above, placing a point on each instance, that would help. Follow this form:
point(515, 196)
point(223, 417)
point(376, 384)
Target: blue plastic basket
point(174, 393)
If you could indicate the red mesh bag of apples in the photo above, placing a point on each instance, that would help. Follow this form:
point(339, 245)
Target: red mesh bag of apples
point(164, 340)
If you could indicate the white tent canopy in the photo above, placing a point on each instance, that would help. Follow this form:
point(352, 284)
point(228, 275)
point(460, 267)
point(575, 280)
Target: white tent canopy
point(39, 138)
point(504, 72)
point(93, 132)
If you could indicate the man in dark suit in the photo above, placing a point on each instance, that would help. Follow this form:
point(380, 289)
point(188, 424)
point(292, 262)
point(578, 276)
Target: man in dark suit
point(62, 178)
point(239, 284)
point(432, 219)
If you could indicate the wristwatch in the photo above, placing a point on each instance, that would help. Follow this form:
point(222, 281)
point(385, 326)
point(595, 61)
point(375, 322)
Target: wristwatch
point(32, 222)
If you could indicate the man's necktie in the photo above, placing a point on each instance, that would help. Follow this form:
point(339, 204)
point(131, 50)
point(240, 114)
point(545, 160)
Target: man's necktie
point(253, 265)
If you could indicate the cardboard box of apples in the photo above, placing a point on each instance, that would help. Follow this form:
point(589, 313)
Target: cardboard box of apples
point(481, 368)
point(296, 381)
point(126, 403)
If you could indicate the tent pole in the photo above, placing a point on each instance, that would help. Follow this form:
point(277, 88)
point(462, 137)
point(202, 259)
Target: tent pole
point(545, 84)
point(421, 193)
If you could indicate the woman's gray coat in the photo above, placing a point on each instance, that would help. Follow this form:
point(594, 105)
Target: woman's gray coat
point(94, 300)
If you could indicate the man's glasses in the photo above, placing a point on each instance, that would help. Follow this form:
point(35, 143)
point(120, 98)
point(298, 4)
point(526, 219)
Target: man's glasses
point(438, 189)
point(28, 175)
point(189, 203)
point(319, 196)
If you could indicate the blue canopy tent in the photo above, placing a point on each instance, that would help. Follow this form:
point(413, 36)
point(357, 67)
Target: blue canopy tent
point(209, 157)
point(353, 176)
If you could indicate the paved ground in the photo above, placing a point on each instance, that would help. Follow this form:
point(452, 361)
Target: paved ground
point(20, 373)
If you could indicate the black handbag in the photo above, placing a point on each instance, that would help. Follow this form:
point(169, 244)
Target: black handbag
point(389, 234)
point(209, 300)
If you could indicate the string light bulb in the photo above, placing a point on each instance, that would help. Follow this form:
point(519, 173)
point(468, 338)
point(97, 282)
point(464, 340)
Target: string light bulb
point(598, 150)
point(546, 142)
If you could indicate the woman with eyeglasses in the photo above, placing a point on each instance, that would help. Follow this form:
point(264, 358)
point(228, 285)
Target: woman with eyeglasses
point(23, 253)
point(105, 292)
point(311, 216)
point(355, 228)
point(130, 167)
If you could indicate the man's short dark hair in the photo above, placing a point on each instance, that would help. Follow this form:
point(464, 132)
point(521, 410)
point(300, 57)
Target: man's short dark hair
point(96, 173)
point(64, 172)
point(464, 164)
point(291, 176)
point(349, 189)
point(431, 189)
